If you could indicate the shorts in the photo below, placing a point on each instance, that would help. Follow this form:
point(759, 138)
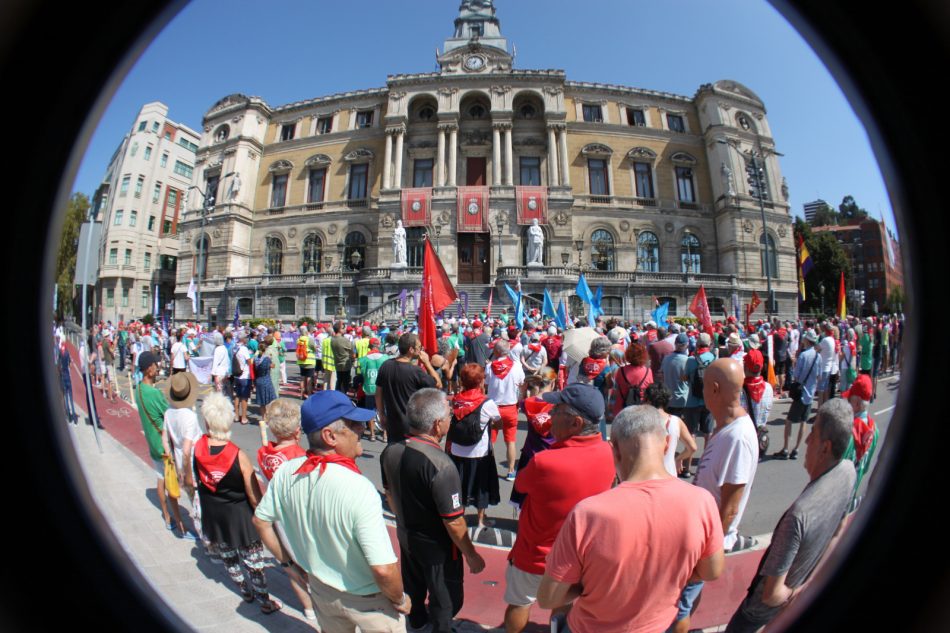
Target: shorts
point(521, 587)
point(509, 421)
point(306, 371)
point(159, 466)
point(369, 401)
point(242, 388)
point(698, 420)
point(108, 373)
point(318, 366)
point(822, 383)
point(799, 412)
point(688, 600)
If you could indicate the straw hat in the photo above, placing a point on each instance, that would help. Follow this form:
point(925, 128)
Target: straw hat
point(182, 390)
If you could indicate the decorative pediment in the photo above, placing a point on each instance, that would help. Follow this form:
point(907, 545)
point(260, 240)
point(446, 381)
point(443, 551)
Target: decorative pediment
point(682, 158)
point(318, 160)
point(360, 154)
point(280, 167)
point(641, 153)
point(596, 149)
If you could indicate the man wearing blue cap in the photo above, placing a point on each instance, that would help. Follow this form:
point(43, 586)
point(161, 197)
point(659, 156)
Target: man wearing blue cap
point(333, 519)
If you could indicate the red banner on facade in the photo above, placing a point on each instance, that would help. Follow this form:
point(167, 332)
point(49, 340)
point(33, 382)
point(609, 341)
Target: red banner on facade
point(532, 204)
point(415, 206)
point(472, 209)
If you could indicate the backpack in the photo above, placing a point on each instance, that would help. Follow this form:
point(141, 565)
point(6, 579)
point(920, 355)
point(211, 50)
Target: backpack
point(236, 370)
point(696, 383)
point(301, 349)
point(634, 395)
point(468, 431)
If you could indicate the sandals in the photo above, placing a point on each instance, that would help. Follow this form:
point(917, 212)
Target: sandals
point(272, 605)
point(742, 543)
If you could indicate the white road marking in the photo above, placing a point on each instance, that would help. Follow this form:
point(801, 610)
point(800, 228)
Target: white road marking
point(885, 410)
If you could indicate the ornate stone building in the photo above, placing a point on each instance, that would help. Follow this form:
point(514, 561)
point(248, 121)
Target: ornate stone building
point(646, 192)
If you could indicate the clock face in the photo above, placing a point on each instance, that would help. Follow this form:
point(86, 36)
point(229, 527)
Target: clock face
point(474, 62)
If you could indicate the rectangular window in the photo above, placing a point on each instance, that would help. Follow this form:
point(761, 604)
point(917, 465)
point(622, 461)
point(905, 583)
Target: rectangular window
point(128, 257)
point(151, 223)
point(157, 192)
point(155, 126)
point(635, 117)
point(125, 297)
point(598, 176)
point(139, 183)
point(168, 136)
point(478, 29)
point(422, 172)
point(358, 179)
point(133, 218)
point(183, 169)
point(113, 256)
point(278, 196)
point(166, 227)
point(287, 131)
point(325, 125)
point(211, 190)
point(364, 119)
point(145, 297)
point(164, 162)
point(148, 262)
point(187, 144)
point(117, 220)
point(684, 184)
point(168, 262)
point(142, 125)
point(110, 296)
point(593, 114)
point(173, 198)
point(124, 187)
point(135, 148)
point(675, 123)
point(530, 171)
point(644, 179)
point(317, 180)
point(148, 153)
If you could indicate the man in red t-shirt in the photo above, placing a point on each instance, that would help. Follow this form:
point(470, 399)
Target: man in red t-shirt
point(623, 556)
point(578, 465)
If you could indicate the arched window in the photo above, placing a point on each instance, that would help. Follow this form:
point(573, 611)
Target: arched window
point(286, 306)
point(312, 252)
point(477, 111)
point(602, 250)
point(772, 261)
point(222, 133)
point(690, 254)
point(648, 252)
point(415, 246)
point(527, 111)
point(201, 257)
point(273, 256)
point(354, 255)
point(426, 113)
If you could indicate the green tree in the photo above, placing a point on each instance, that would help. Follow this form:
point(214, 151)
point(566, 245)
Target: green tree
point(825, 216)
point(76, 211)
point(830, 260)
point(896, 300)
point(849, 210)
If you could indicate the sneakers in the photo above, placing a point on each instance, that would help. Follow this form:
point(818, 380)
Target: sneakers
point(742, 543)
point(782, 454)
point(510, 477)
point(794, 454)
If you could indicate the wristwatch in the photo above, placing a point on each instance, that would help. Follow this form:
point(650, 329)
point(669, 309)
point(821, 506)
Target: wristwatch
point(289, 562)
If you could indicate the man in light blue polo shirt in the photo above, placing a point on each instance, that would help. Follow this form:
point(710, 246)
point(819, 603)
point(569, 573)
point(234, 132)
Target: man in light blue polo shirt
point(806, 372)
point(674, 375)
point(333, 520)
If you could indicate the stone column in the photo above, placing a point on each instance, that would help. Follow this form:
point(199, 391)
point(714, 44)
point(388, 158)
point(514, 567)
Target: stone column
point(440, 160)
point(453, 154)
point(552, 157)
point(509, 158)
point(397, 181)
point(496, 155)
point(388, 162)
point(565, 162)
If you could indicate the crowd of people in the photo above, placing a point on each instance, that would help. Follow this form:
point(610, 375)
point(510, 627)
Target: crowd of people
point(610, 477)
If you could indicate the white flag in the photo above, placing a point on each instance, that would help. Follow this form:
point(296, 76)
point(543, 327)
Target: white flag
point(193, 295)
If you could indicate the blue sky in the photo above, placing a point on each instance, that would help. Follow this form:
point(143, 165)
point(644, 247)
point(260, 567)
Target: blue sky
point(290, 50)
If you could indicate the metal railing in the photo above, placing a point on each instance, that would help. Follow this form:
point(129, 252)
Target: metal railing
point(521, 272)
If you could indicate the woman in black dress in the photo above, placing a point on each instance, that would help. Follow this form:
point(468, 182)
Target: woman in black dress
point(229, 492)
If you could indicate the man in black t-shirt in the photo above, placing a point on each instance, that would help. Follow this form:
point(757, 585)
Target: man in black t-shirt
point(398, 379)
point(476, 347)
point(424, 490)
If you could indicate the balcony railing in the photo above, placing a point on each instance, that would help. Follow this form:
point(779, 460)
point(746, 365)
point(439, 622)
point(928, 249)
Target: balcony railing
point(627, 202)
point(521, 272)
point(292, 279)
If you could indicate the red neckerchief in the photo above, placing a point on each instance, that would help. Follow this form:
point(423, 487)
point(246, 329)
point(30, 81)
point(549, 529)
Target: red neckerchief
point(534, 348)
point(270, 458)
point(467, 401)
point(502, 366)
point(756, 387)
point(863, 436)
point(213, 468)
point(593, 366)
point(538, 413)
point(313, 460)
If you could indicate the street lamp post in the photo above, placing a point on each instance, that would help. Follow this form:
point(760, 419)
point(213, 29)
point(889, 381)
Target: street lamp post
point(207, 206)
point(341, 310)
point(579, 247)
point(438, 231)
point(821, 291)
point(500, 223)
point(689, 254)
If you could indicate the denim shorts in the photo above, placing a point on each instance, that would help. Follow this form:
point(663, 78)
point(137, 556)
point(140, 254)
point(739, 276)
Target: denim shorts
point(688, 597)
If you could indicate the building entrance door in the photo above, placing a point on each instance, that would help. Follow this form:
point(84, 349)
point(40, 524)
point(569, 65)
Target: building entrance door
point(474, 258)
point(475, 171)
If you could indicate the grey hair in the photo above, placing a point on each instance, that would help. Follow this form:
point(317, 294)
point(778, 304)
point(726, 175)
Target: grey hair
point(315, 438)
point(283, 418)
point(218, 413)
point(599, 347)
point(705, 340)
point(634, 422)
point(836, 419)
point(424, 408)
point(502, 347)
point(590, 426)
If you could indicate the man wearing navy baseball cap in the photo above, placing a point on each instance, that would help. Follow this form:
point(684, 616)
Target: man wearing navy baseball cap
point(329, 510)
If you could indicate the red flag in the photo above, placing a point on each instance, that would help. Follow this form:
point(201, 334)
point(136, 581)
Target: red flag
point(700, 308)
point(437, 294)
point(756, 302)
point(491, 296)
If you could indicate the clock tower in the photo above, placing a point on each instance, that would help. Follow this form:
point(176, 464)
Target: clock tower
point(477, 45)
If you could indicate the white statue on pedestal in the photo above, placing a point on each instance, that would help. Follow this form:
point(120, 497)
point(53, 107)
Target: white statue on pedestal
point(728, 180)
point(535, 243)
point(235, 188)
point(399, 244)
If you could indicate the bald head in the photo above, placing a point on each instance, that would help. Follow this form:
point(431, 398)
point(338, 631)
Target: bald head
point(722, 383)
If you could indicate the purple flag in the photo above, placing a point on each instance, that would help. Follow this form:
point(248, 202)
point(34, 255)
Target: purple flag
point(402, 302)
point(415, 300)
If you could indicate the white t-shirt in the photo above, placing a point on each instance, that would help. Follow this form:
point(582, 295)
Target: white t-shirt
point(762, 408)
point(505, 391)
point(219, 361)
point(669, 458)
point(182, 424)
point(535, 360)
point(730, 457)
point(826, 348)
point(178, 355)
point(515, 352)
point(489, 412)
point(244, 355)
point(318, 352)
point(793, 336)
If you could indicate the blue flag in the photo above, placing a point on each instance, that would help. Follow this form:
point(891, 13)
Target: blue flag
point(583, 290)
point(548, 308)
point(518, 304)
point(659, 315)
point(237, 316)
point(561, 316)
point(512, 295)
point(595, 309)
